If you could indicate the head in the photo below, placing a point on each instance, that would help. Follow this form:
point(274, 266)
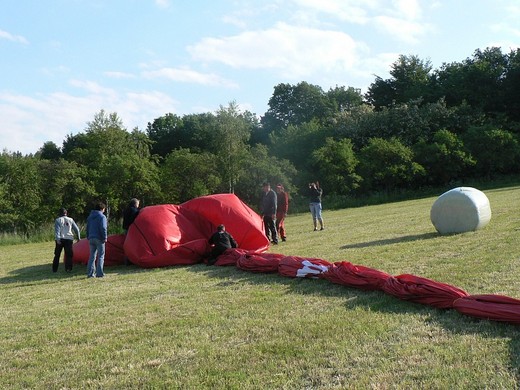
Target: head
point(63, 212)
point(312, 185)
point(279, 188)
point(221, 228)
point(266, 186)
point(100, 206)
point(134, 202)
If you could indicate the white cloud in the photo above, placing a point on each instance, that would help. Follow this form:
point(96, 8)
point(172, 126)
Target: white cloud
point(13, 38)
point(354, 11)
point(162, 3)
point(403, 30)
point(291, 50)
point(52, 116)
point(119, 75)
point(186, 75)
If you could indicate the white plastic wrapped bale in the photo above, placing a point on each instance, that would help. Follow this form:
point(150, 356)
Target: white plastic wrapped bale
point(462, 209)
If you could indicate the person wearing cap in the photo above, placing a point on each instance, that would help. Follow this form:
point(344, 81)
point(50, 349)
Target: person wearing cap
point(282, 207)
point(219, 242)
point(268, 209)
point(64, 229)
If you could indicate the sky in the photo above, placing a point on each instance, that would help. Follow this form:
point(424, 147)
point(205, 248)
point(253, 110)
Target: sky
point(62, 61)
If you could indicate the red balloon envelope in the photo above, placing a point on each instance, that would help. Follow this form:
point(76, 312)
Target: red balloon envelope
point(166, 235)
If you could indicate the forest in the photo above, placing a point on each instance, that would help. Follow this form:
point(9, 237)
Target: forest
point(420, 128)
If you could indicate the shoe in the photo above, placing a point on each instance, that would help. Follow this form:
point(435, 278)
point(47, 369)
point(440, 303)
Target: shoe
point(322, 228)
point(284, 239)
point(274, 242)
point(315, 229)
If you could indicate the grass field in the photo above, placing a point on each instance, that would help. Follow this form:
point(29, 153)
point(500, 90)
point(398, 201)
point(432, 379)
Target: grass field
point(203, 327)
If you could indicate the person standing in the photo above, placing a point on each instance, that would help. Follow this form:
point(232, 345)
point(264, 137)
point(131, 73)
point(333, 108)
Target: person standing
point(268, 209)
point(282, 206)
point(97, 237)
point(220, 241)
point(130, 213)
point(315, 193)
point(64, 229)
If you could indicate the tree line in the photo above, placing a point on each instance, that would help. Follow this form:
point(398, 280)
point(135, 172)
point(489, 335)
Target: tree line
point(420, 127)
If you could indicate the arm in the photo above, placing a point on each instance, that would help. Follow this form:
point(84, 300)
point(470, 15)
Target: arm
point(76, 229)
point(57, 230)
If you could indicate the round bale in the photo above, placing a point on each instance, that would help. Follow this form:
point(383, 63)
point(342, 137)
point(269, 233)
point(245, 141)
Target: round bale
point(460, 210)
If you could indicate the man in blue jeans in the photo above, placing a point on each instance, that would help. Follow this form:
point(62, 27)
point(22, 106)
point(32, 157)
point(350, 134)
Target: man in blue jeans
point(97, 237)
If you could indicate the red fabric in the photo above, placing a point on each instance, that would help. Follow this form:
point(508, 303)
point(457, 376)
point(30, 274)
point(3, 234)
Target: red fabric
point(357, 276)
point(301, 267)
point(259, 262)
point(244, 224)
point(230, 256)
point(114, 253)
point(422, 290)
point(491, 307)
point(166, 235)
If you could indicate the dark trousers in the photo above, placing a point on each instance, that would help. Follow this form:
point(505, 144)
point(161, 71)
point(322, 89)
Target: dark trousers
point(270, 228)
point(216, 251)
point(67, 246)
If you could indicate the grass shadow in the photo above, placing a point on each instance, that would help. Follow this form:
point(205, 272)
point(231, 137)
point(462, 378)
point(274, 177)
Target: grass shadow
point(390, 241)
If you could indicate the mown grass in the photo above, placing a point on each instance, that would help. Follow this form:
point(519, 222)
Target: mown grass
point(202, 327)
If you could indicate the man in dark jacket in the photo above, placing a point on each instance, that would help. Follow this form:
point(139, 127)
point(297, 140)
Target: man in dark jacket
point(97, 237)
point(130, 213)
point(268, 209)
point(220, 241)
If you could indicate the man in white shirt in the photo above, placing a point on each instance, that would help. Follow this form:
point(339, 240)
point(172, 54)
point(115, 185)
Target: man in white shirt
point(64, 229)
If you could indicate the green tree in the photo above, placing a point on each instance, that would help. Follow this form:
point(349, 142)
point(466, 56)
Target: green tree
point(258, 167)
point(495, 150)
point(295, 105)
point(167, 133)
point(231, 143)
point(444, 159)
point(185, 175)
point(335, 164)
point(411, 80)
point(21, 181)
point(120, 163)
point(387, 165)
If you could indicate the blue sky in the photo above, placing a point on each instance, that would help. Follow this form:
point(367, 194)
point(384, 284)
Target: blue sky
point(62, 61)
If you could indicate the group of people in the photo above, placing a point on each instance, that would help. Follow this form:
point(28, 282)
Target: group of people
point(65, 230)
point(273, 206)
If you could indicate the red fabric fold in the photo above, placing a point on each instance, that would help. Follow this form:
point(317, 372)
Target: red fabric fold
point(422, 290)
point(491, 307)
point(356, 276)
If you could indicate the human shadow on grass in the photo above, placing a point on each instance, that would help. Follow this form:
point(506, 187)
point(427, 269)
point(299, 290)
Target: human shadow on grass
point(390, 241)
point(376, 301)
point(42, 273)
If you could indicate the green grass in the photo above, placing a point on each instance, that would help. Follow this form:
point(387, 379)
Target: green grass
point(202, 327)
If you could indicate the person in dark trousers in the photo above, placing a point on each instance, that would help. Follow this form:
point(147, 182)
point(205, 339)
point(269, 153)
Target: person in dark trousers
point(315, 193)
point(268, 210)
point(282, 207)
point(97, 237)
point(64, 229)
point(220, 241)
point(130, 213)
